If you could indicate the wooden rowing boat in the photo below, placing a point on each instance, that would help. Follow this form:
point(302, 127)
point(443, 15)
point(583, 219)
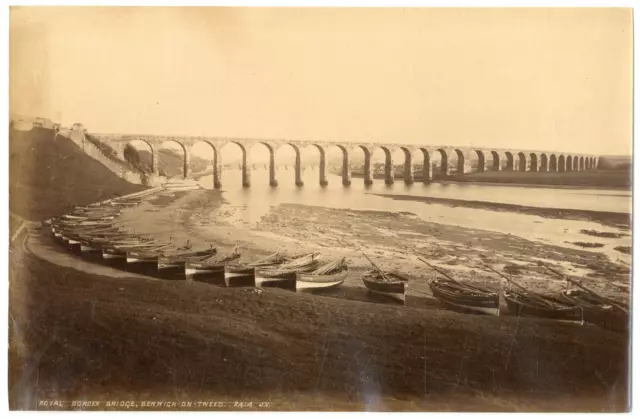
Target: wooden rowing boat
point(465, 298)
point(284, 275)
point(236, 275)
point(213, 266)
point(329, 275)
point(178, 261)
point(521, 303)
point(394, 287)
point(597, 312)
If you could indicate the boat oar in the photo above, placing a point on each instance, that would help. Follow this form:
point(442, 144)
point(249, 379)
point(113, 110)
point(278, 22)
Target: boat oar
point(377, 269)
point(533, 295)
point(578, 284)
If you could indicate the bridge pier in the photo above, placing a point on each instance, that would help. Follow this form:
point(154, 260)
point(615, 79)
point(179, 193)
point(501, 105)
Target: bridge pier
point(217, 170)
point(322, 170)
point(298, 169)
point(346, 172)
point(368, 178)
point(187, 163)
point(389, 170)
point(408, 168)
point(427, 169)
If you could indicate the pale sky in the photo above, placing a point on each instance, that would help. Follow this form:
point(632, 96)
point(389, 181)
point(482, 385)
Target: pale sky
point(545, 79)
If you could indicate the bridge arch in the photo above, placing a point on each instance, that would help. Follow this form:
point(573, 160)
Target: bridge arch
point(561, 164)
point(322, 164)
point(568, 163)
point(496, 163)
point(533, 158)
point(244, 157)
point(389, 167)
point(510, 161)
point(270, 163)
point(581, 164)
point(166, 145)
point(522, 162)
point(481, 160)
point(132, 154)
point(444, 162)
point(553, 163)
point(215, 160)
point(297, 165)
point(543, 166)
point(576, 163)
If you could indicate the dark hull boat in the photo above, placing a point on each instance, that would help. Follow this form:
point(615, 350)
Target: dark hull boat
point(522, 304)
point(394, 288)
point(239, 275)
point(596, 312)
point(465, 298)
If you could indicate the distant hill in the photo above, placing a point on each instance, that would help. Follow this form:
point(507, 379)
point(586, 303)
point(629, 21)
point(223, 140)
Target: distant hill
point(615, 162)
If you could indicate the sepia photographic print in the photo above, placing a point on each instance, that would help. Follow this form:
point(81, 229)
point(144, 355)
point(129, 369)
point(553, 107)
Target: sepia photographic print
point(320, 209)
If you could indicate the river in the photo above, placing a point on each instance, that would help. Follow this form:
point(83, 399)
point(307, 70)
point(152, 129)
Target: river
point(249, 205)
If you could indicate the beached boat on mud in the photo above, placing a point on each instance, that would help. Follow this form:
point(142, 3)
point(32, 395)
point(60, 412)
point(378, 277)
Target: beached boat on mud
point(329, 275)
point(598, 311)
point(119, 251)
point(177, 261)
point(211, 267)
point(393, 286)
point(522, 303)
point(243, 275)
point(466, 298)
point(284, 275)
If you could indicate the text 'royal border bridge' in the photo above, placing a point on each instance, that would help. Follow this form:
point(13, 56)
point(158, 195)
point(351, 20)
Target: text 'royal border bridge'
point(485, 159)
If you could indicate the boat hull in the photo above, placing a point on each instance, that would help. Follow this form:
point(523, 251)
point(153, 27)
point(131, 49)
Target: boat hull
point(608, 317)
point(239, 276)
point(396, 291)
point(466, 302)
point(267, 279)
point(310, 283)
point(520, 308)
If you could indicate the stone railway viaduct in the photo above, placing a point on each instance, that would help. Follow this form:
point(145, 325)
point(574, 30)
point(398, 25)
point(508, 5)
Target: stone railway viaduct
point(488, 159)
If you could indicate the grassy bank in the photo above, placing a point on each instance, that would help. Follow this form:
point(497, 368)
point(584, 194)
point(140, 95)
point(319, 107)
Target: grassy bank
point(47, 175)
point(76, 336)
point(597, 178)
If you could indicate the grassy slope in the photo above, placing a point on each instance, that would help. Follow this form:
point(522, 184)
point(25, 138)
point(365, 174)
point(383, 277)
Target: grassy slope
point(81, 336)
point(47, 176)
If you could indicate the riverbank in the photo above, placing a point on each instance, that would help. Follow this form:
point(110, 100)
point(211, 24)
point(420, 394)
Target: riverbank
point(392, 239)
point(611, 219)
point(610, 179)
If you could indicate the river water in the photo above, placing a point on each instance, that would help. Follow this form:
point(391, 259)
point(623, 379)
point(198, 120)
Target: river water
point(249, 205)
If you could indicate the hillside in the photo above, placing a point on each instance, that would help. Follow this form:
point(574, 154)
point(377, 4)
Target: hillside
point(46, 175)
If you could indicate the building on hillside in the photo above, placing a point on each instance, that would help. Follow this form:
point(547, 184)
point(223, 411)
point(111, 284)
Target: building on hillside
point(42, 123)
point(78, 127)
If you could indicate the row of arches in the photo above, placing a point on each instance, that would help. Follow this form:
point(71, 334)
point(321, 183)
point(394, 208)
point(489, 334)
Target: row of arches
point(409, 164)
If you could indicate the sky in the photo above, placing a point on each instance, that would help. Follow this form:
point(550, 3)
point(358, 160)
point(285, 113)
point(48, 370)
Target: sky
point(536, 79)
